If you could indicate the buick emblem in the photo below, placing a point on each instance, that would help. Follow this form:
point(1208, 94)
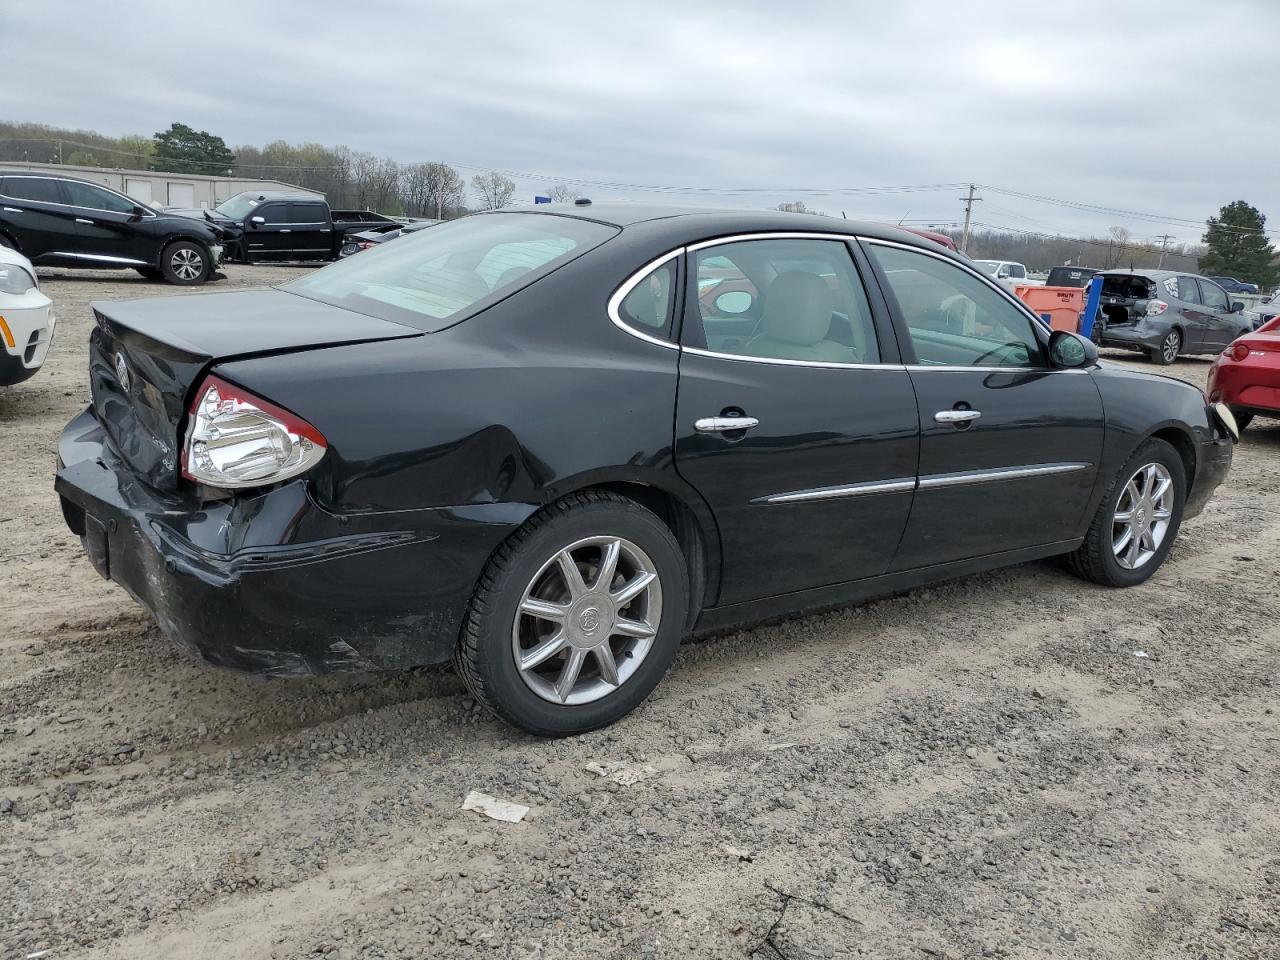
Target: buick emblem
point(590, 620)
point(122, 372)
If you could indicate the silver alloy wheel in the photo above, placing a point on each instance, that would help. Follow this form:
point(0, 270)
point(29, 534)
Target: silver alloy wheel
point(587, 620)
point(1142, 516)
point(187, 264)
point(1169, 348)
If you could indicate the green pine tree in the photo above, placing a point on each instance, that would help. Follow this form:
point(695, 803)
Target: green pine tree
point(181, 149)
point(1238, 246)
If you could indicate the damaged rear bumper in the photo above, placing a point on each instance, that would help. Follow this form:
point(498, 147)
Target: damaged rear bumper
point(270, 582)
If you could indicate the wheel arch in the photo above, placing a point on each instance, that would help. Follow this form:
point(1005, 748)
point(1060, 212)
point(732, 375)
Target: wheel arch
point(173, 238)
point(1180, 438)
point(686, 516)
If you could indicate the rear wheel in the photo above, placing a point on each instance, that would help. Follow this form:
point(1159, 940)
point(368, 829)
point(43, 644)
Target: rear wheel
point(185, 263)
point(577, 616)
point(1169, 348)
point(1137, 521)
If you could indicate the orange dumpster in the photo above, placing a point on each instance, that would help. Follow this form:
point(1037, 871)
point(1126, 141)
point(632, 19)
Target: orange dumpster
point(1062, 305)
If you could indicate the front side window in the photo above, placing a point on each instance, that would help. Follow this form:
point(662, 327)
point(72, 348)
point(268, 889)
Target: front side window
point(954, 318)
point(38, 189)
point(95, 198)
point(1017, 271)
point(783, 300)
point(648, 306)
point(1213, 295)
point(434, 278)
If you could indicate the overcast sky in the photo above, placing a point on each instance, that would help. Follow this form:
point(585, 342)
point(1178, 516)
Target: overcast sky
point(1169, 108)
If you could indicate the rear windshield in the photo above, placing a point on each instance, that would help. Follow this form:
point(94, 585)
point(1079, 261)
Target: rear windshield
point(434, 278)
point(1069, 277)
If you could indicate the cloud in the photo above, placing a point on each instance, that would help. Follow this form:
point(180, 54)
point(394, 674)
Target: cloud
point(1164, 107)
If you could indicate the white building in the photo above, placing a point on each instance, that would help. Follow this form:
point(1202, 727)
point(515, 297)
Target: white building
point(166, 189)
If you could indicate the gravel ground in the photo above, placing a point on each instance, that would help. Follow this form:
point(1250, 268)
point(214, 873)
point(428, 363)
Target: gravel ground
point(1018, 764)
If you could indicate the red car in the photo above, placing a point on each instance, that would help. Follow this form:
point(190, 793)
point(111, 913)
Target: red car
point(1246, 376)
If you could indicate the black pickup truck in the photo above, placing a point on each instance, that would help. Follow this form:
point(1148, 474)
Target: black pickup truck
point(265, 226)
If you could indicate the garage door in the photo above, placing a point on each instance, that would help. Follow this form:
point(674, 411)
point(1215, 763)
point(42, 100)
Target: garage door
point(138, 189)
point(182, 195)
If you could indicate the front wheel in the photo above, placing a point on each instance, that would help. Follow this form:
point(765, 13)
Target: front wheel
point(577, 616)
point(1137, 521)
point(1169, 348)
point(185, 263)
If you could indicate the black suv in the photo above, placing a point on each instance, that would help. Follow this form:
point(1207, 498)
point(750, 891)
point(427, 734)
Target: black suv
point(58, 221)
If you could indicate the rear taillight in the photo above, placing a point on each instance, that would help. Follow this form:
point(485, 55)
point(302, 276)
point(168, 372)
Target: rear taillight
point(235, 439)
point(1156, 307)
point(1238, 351)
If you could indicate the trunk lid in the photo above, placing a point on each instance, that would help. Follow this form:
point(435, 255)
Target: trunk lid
point(145, 357)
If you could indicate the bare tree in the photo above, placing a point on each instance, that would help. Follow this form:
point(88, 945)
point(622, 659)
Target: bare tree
point(794, 206)
point(431, 190)
point(1117, 244)
point(493, 189)
point(562, 193)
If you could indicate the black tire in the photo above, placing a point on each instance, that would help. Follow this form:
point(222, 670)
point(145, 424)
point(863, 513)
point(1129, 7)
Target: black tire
point(1169, 348)
point(485, 658)
point(1242, 419)
point(151, 273)
point(6, 242)
point(186, 263)
point(1095, 559)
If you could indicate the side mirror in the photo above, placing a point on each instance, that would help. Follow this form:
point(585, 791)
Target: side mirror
point(1068, 350)
point(1236, 306)
point(257, 221)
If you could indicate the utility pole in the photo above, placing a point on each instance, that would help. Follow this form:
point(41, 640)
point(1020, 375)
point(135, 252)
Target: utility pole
point(968, 212)
point(1164, 239)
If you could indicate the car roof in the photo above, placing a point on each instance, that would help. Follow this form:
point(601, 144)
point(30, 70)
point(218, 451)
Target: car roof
point(51, 175)
point(281, 195)
point(718, 221)
point(1149, 274)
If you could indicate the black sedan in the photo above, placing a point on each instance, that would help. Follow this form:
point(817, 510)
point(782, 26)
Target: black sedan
point(550, 445)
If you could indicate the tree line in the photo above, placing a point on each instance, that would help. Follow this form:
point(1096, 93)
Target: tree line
point(1234, 244)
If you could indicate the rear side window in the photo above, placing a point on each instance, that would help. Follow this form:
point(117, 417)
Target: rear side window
point(306, 213)
point(434, 278)
point(648, 306)
point(39, 189)
point(1187, 290)
point(783, 299)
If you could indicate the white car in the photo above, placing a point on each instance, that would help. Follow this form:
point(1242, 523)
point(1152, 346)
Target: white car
point(26, 319)
point(1009, 273)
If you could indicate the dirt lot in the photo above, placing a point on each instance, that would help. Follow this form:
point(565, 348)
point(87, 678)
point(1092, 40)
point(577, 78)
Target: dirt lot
point(1014, 765)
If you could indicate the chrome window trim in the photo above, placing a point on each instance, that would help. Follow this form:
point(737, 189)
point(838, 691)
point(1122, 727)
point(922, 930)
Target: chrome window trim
point(773, 235)
point(615, 301)
point(960, 368)
point(849, 490)
point(778, 361)
point(966, 477)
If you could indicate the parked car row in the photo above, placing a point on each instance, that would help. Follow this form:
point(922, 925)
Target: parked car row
point(547, 445)
point(60, 221)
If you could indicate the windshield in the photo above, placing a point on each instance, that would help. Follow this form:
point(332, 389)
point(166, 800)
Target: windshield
point(988, 266)
point(434, 278)
point(238, 206)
